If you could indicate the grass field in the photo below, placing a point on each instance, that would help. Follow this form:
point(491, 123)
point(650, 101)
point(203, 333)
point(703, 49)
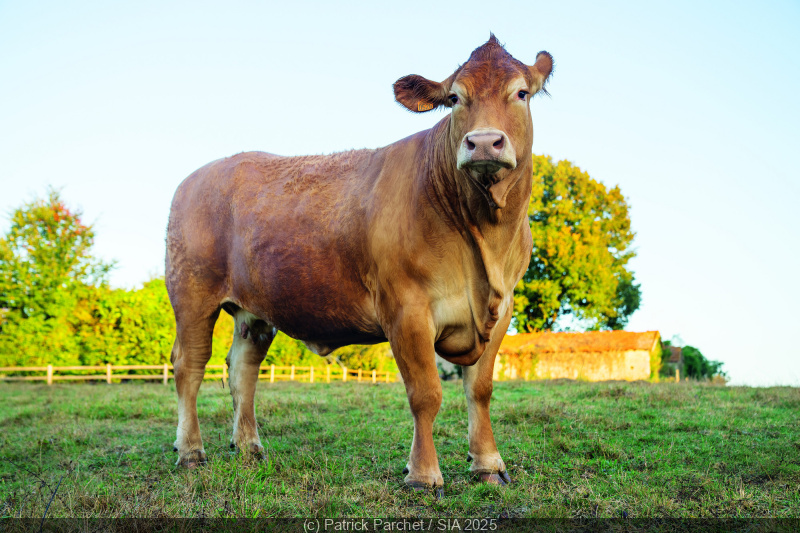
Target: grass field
point(573, 449)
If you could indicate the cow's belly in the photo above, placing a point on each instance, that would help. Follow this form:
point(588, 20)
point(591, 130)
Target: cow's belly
point(323, 328)
point(312, 299)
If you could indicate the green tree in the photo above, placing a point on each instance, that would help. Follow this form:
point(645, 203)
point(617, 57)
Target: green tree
point(46, 268)
point(125, 327)
point(581, 246)
point(697, 366)
point(627, 299)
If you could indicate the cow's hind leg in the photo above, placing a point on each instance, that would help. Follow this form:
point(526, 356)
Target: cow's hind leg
point(190, 353)
point(486, 463)
point(251, 340)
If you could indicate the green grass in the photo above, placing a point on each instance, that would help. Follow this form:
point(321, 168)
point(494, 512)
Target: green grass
point(573, 449)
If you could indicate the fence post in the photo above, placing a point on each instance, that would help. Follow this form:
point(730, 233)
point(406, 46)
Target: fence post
point(312, 374)
point(677, 375)
point(359, 375)
point(108, 373)
point(291, 376)
point(272, 373)
point(166, 373)
point(344, 373)
point(329, 373)
point(387, 376)
point(49, 374)
point(374, 376)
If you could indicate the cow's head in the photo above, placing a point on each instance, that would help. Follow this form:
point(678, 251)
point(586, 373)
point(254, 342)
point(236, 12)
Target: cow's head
point(490, 129)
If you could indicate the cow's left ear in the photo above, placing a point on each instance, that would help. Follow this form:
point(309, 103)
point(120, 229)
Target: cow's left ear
point(420, 94)
point(541, 70)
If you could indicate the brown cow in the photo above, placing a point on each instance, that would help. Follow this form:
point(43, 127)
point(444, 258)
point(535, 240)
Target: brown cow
point(419, 243)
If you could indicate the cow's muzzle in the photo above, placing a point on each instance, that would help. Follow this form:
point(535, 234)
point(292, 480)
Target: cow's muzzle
point(485, 152)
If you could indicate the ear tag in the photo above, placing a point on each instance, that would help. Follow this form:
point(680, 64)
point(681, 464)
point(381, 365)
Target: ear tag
point(424, 106)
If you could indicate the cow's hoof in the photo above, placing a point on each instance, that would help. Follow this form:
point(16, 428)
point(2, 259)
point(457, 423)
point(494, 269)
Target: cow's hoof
point(496, 478)
point(419, 486)
point(193, 459)
point(253, 451)
point(488, 468)
point(424, 483)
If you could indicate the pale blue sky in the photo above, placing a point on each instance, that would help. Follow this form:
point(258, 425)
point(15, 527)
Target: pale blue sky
point(691, 107)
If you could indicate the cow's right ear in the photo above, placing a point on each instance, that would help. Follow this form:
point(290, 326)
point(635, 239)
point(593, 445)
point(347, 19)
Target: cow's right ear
point(419, 94)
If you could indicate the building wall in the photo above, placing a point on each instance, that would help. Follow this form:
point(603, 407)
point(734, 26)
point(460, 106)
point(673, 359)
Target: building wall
point(591, 366)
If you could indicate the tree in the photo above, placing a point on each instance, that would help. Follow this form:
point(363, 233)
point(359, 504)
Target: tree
point(581, 245)
point(125, 327)
point(626, 301)
point(45, 268)
point(697, 366)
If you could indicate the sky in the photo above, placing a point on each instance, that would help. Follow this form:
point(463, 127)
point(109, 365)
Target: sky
point(691, 107)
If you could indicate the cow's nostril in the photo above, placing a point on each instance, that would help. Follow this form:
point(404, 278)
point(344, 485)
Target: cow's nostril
point(470, 145)
point(498, 143)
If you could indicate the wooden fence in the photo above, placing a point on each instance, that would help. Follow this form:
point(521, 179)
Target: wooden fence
point(273, 373)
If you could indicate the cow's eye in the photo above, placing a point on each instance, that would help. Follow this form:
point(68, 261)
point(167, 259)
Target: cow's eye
point(522, 94)
point(453, 99)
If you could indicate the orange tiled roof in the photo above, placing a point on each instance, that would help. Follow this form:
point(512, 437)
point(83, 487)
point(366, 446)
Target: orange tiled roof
point(592, 341)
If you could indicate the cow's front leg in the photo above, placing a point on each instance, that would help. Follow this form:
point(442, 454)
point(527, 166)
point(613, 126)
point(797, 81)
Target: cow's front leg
point(412, 344)
point(486, 463)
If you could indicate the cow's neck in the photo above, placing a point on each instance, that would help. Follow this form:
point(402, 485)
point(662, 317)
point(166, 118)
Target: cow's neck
point(496, 233)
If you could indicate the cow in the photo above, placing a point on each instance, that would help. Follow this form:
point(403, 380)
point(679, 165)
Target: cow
point(420, 243)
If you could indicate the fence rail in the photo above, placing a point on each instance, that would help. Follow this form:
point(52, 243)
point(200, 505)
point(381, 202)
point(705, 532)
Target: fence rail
point(272, 373)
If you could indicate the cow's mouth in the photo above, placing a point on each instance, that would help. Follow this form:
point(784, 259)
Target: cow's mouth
point(488, 169)
point(490, 178)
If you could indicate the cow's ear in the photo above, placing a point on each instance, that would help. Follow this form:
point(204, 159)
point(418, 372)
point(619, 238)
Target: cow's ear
point(541, 71)
point(419, 94)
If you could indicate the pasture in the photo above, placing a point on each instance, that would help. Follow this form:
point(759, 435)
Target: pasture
point(573, 449)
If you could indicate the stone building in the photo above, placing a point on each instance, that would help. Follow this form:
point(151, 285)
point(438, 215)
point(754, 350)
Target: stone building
point(591, 356)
